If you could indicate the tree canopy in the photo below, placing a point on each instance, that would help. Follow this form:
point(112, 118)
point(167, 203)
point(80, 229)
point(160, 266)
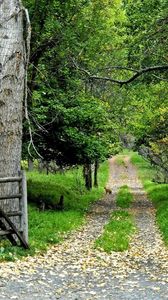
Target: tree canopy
point(98, 72)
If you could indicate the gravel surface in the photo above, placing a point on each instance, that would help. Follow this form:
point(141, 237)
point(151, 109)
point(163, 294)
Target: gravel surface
point(75, 270)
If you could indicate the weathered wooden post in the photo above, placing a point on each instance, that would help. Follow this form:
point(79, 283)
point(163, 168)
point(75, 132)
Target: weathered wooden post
point(24, 220)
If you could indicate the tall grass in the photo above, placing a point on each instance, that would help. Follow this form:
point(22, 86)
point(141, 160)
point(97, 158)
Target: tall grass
point(158, 193)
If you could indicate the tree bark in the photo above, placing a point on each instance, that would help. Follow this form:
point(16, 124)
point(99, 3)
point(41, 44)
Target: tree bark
point(90, 176)
point(87, 173)
point(12, 87)
point(96, 166)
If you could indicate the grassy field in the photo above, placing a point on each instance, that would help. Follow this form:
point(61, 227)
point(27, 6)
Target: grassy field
point(158, 193)
point(49, 226)
point(117, 232)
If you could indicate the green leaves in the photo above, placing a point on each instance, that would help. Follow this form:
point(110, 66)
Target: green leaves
point(81, 116)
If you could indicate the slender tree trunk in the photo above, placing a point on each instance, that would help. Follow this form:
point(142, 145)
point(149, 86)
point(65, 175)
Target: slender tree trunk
point(96, 166)
point(40, 165)
point(12, 87)
point(30, 164)
point(90, 176)
point(87, 173)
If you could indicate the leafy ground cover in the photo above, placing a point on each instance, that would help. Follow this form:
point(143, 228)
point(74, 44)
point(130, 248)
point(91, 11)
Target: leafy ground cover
point(158, 193)
point(124, 197)
point(117, 232)
point(49, 226)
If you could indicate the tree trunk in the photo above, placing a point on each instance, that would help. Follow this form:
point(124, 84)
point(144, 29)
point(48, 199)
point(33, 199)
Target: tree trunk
point(96, 166)
point(30, 164)
point(90, 176)
point(12, 88)
point(87, 173)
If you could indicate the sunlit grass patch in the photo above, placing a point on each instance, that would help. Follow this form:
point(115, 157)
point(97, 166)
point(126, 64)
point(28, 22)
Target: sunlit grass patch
point(117, 233)
point(124, 197)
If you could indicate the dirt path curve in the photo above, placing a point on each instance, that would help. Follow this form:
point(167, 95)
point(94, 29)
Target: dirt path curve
point(75, 270)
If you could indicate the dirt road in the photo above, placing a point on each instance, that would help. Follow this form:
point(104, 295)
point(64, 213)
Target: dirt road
point(75, 270)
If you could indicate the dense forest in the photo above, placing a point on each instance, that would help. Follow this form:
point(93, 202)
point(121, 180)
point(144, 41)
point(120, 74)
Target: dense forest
point(97, 81)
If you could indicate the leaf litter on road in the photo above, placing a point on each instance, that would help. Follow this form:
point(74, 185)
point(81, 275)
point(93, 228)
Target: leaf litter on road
point(76, 267)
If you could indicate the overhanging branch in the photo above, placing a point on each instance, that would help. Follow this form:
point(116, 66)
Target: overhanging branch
point(122, 82)
point(136, 75)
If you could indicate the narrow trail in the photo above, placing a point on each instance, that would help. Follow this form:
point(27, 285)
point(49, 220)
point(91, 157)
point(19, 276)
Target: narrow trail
point(75, 270)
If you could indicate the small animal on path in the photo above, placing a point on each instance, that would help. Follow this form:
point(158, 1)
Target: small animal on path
point(107, 190)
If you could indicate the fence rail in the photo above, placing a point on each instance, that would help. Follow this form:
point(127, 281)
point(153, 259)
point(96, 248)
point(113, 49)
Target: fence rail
point(10, 179)
point(11, 196)
point(21, 212)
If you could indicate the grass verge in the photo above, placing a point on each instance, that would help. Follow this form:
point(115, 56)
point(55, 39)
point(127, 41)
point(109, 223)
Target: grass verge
point(124, 197)
point(50, 227)
point(117, 232)
point(158, 193)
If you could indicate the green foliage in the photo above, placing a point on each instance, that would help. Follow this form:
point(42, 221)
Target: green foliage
point(69, 37)
point(124, 197)
point(158, 193)
point(146, 119)
point(65, 36)
point(78, 134)
point(117, 233)
point(147, 29)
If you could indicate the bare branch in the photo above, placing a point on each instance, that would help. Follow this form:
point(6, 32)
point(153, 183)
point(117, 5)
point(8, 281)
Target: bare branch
point(160, 78)
point(27, 58)
point(122, 82)
point(118, 68)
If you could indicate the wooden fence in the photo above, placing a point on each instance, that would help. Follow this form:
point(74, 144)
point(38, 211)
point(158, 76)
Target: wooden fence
point(7, 226)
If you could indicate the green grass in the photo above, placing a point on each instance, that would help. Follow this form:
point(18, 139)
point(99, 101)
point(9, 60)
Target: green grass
point(44, 228)
point(158, 193)
point(50, 227)
point(120, 160)
point(124, 197)
point(145, 170)
point(117, 233)
point(49, 188)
